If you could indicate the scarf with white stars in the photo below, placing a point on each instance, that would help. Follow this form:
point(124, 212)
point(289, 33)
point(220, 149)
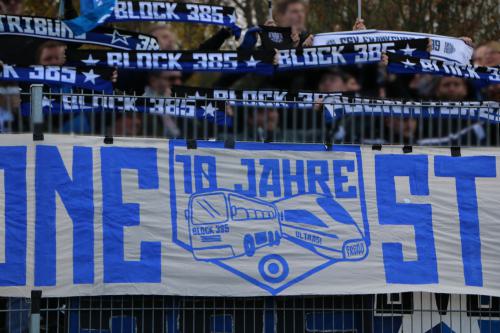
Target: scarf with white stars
point(53, 29)
point(244, 61)
point(188, 107)
point(443, 48)
point(59, 78)
point(405, 64)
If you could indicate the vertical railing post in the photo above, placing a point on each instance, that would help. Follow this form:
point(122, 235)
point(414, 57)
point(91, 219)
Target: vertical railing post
point(36, 297)
point(36, 91)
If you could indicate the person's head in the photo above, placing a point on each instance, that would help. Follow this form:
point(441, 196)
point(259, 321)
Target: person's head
point(451, 88)
point(332, 81)
point(291, 13)
point(487, 54)
point(351, 83)
point(405, 128)
point(493, 92)
point(265, 118)
point(12, 7)
point(127, 124)
point(165, 37)
point(479, 57)
point(51, 53)
point(162, 81)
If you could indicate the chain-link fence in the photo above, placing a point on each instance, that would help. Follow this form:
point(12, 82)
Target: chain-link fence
point(241, 120)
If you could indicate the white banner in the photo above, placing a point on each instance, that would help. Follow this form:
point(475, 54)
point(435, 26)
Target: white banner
point(443, 47)
point(144, 216)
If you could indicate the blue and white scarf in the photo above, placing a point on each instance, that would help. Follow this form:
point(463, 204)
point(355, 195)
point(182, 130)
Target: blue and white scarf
point(185, 61)
point(63, 78)
point(93, 13)
point(190, 107)
point(48, 28)
point(336, 107)
point(262, 98)
point(406, 64)
point(443, 48)
point(260, 61)
point(347, 54)
point(125, 11)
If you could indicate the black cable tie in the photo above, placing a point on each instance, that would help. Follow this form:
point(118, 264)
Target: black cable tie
point(377, 146)
point(455, 152)
point(38, 132)
point(36, 299)
point(191, 144)
point(407, 149)
point(229, 143)
point(108, 140)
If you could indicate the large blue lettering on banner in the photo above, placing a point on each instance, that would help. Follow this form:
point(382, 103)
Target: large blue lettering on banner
point(13, 166)
point(117, 215)
point(258, 219)
point(465, 170)
point(423, 270)
point(76, 193)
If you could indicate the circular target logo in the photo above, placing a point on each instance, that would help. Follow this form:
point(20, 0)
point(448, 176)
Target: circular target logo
point(273, 268)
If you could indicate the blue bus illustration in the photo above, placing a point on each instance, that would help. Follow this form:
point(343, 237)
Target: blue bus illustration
point(323, 226)
point(224, 225)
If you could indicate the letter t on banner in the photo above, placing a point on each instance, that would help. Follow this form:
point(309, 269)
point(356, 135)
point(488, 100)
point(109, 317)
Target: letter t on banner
point(465, 170)
point(390, 212)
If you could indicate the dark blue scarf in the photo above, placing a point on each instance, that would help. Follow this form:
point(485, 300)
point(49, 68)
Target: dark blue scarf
point(48, 28)
point(125, 11)
point(191, 107)
point(406, 64)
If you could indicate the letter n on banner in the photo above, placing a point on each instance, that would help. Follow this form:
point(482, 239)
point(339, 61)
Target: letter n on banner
point(77, 194)
point(390, 212)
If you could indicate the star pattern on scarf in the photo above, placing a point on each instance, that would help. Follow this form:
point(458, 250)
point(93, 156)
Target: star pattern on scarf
point(116, 37)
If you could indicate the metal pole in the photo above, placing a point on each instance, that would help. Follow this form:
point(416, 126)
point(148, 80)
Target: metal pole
point(36, 296)
point(37, 111)
point(359, 9)
point(270, 5)
point(60, 14)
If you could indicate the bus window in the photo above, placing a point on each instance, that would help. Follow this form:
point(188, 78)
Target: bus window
point(244, 209)
point(210, 208)
point(239, 213)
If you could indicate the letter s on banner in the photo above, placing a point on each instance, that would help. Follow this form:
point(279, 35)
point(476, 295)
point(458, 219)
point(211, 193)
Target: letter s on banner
point(390, 212)
point(117, 215)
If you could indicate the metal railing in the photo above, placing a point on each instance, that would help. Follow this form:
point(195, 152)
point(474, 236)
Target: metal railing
point(39, 112)
point(405, 312)
point(244, 120)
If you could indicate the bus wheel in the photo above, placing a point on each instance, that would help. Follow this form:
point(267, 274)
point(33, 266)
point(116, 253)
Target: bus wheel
point(277, 238)
point(249, 245)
